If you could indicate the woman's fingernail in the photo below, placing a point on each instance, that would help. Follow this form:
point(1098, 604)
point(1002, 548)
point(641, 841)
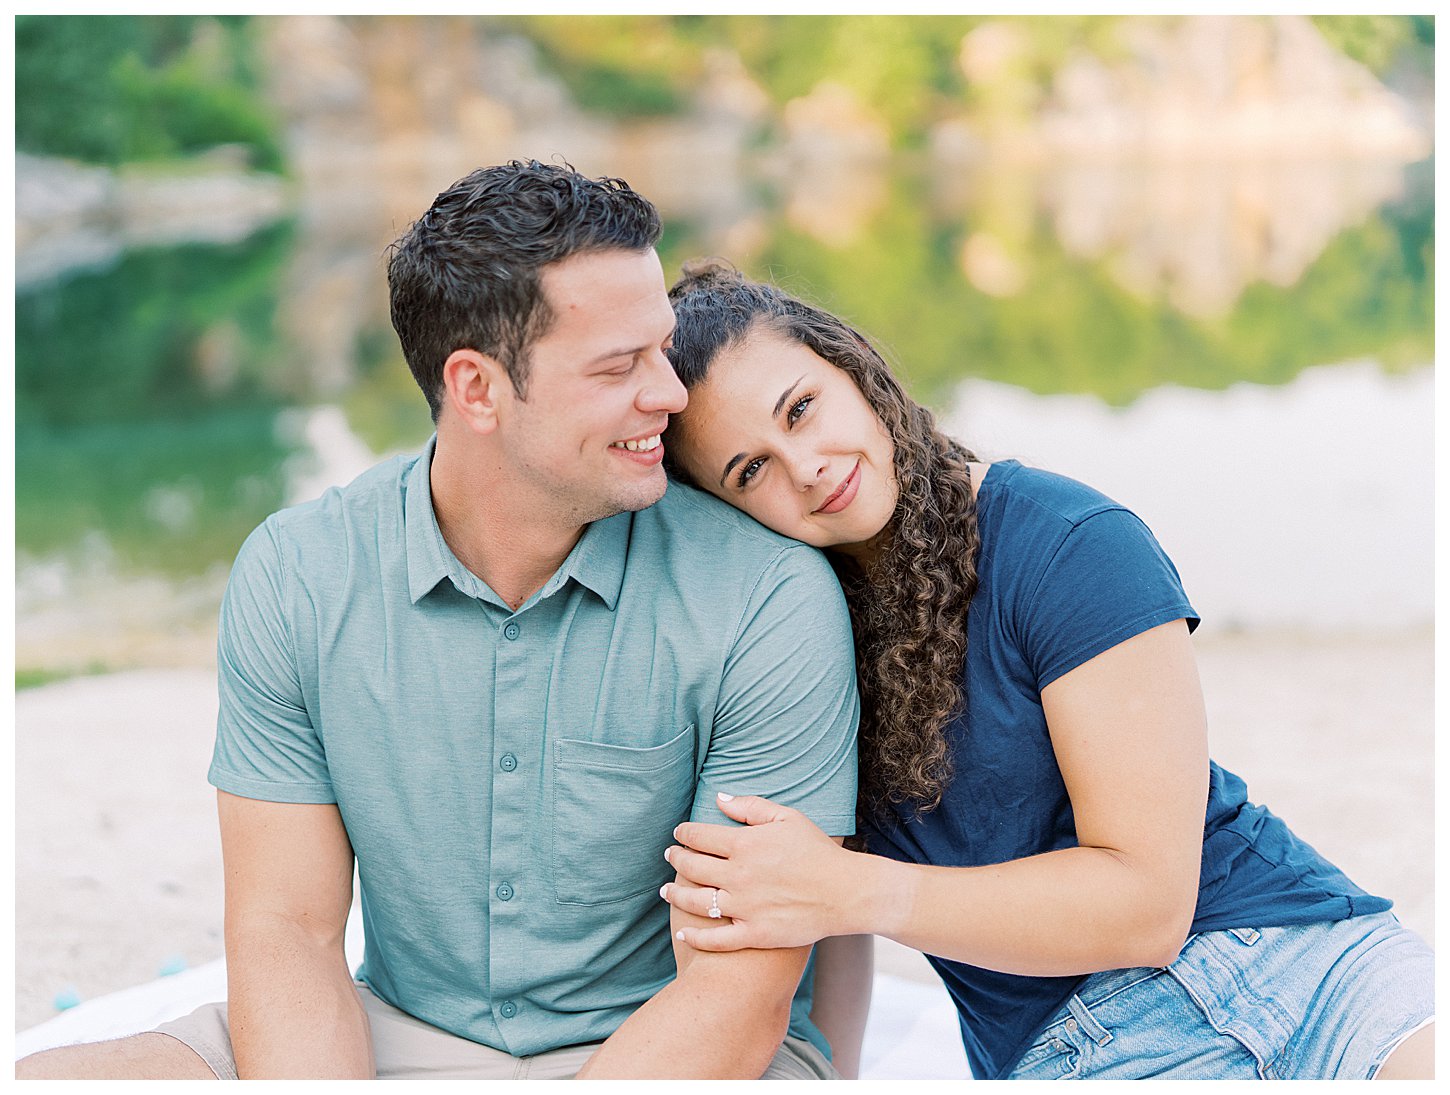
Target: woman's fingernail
point(675, 832)
point(680, 936)
point(723, 797)
point(665, 891)
point(667, 854)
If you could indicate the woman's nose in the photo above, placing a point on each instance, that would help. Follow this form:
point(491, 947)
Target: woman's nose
point(807, 469)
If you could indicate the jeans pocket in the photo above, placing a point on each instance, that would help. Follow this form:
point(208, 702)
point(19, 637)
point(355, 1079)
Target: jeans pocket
point(1057, 1054)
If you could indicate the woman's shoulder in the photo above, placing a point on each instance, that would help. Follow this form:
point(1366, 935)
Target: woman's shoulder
point(1020, 490)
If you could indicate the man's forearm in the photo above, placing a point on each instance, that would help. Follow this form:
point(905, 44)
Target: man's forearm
point(718, 1020)
point(292, 1009)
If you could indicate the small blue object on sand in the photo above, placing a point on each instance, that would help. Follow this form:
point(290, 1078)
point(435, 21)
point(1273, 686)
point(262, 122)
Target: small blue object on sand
point(175, 964)
point(67, 998)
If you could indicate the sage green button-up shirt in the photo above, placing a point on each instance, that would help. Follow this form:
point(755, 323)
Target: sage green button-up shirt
point(510, 780)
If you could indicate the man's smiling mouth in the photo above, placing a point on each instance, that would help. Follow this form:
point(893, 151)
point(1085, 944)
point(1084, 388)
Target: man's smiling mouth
point(643, 444)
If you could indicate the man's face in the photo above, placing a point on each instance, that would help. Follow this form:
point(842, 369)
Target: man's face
point(600, 389)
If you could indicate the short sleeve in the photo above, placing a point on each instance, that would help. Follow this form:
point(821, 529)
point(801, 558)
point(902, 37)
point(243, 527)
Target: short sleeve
point(266, 746)
point(1108, 580)
point(785, 721)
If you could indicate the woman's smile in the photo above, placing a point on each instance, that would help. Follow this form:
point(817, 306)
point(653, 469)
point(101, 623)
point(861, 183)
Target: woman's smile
point(843, 495)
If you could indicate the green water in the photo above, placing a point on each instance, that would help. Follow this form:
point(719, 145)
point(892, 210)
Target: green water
point(120, 430)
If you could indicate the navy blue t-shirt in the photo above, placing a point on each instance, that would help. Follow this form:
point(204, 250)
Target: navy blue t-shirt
point(1064, 574)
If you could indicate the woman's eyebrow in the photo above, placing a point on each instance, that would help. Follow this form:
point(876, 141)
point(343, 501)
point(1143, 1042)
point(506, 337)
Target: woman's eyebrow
point(779, 403)
point(739, 456)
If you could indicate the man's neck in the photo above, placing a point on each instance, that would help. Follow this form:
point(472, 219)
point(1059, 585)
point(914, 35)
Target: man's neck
point(500, 540)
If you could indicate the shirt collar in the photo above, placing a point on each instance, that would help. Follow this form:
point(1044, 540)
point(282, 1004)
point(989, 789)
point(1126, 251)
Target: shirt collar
point(428, 554)
point(597, 561)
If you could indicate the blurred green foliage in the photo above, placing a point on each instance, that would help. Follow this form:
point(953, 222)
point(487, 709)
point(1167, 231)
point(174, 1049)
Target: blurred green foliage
point(629, 66)
point(1377, 41)
point(113, 89)
point(35, 678)
point(904, 68)
point(908, 69)
point(633, 66)
point(154, 376)
point(384, 405)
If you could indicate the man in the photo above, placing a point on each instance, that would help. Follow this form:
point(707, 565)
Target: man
point(497, 675)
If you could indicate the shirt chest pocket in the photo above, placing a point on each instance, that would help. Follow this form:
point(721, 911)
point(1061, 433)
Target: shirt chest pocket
point(615, 810)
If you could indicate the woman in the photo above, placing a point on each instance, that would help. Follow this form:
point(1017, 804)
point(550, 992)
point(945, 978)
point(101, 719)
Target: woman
point(1034, 765)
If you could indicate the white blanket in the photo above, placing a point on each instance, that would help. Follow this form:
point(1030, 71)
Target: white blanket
point(911, 1032)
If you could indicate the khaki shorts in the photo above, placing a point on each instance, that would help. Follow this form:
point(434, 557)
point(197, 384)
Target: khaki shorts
point(405, 1048)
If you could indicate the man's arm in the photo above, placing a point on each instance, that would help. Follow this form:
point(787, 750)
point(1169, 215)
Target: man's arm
point(785, 717)
point(715, 1021)
point(291, 1005)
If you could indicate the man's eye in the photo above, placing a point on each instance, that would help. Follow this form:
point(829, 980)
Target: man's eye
point(747, 473)
point(798, 408)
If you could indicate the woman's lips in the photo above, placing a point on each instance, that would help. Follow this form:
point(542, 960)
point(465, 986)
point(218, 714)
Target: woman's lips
point(845, 493)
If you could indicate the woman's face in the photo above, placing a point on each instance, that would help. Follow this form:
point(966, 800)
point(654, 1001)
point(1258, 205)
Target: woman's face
point(779, 432)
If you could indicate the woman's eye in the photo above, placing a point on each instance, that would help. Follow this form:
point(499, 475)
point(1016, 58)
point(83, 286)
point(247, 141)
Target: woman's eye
point(797, 409)
point(747, 473)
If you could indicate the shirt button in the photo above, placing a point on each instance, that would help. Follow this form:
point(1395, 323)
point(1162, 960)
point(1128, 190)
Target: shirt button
point(511, 631)
point(505, 892)
point(508, 1009)
point(508, 762)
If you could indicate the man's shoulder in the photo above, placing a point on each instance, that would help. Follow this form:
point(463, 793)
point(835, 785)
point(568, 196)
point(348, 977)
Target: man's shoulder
point(343, 517)
point(692, 510)
point(722, 566)
point(700, 530)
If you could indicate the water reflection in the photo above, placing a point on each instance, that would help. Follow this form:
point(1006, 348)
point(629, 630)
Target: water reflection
point(1198, 234)
point(1072, 279)
point(166, 405)
point(146, 401)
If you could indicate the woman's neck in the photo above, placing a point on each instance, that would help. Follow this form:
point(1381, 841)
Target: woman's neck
point(861, 558)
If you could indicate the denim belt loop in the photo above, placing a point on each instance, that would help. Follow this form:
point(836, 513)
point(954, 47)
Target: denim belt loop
point(1247, 936)
point(1090, 1026)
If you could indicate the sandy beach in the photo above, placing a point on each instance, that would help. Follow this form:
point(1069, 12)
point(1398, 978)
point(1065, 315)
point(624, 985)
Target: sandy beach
point(118, 871)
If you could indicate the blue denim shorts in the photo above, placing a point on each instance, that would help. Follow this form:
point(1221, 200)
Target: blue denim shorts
point(1311, 1001)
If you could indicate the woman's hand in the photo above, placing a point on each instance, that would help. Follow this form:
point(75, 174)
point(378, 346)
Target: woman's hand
point(779, 882)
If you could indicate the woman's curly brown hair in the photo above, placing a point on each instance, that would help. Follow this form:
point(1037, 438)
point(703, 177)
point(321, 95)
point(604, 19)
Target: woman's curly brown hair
point(909, 606)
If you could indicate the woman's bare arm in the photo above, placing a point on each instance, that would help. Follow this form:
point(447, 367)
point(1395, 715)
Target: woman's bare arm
point(1129, 732)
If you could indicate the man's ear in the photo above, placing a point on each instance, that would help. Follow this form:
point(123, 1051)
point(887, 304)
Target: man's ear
point(473, 385)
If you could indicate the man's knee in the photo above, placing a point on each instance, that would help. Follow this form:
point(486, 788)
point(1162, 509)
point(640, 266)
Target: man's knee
point(139, 1057)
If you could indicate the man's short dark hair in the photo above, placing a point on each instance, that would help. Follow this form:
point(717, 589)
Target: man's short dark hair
point(466, 275)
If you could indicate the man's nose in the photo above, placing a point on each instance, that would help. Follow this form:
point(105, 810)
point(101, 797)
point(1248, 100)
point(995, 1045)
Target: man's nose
point(662, 390)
